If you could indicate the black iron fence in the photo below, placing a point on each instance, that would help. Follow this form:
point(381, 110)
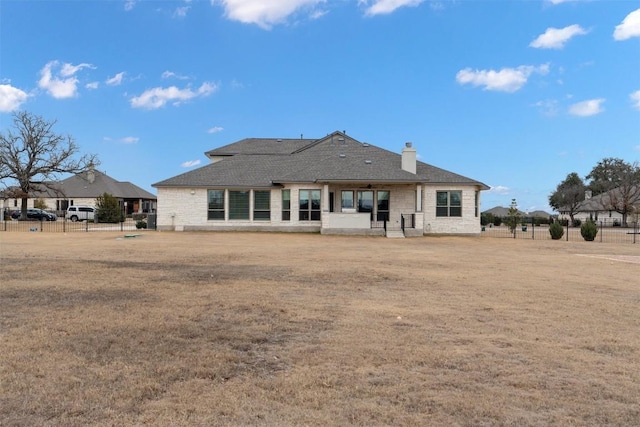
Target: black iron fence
point(608, 232)
point(135, 223)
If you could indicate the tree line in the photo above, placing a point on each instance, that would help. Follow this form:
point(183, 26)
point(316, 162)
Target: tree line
point(613, 184)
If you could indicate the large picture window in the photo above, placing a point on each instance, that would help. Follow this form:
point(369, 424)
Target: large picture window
point(216, 205)
point(261, 205)
point(449, 203)
point(309, 205)
point(239, 204)
point(286, 205)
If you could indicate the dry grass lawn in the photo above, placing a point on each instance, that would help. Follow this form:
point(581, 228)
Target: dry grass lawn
point(294, 329)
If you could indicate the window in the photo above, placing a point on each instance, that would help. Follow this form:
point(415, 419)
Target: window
point(261, 205)
point(477, 203)
point(383, 206)
point(347, 199)
point(216, 205)
point(449, 203)
point(309, 205)
point(286, 205)
point(239, 204)
point(365, 201)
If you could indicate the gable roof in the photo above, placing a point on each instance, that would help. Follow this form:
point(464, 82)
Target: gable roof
point(264, 162)
point(91, 184)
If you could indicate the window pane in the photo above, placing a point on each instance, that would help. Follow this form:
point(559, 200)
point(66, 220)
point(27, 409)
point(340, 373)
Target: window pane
point(347, 199)
point(238, 205)
point(365, 201)
point(262, 200)
point(455, 198)
point(304, 200)
point(286, 215)
point(261, 205)
point(442, 198)
point(216, 199)
point(315, 199)
point(455, 211)
point(383, 201)
point(442, 211)
point(286, 200)
point(218, 215)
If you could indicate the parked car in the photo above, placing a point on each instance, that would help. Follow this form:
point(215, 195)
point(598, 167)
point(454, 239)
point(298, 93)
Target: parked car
point(81, 213)
point(38, 215)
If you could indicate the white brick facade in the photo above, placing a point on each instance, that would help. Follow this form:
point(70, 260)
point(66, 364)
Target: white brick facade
point(183, 209)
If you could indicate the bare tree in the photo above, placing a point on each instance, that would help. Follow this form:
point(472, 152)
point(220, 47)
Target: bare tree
point(34, 156)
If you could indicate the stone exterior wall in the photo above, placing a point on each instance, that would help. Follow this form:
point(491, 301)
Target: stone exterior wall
point(468, 224)
point(184, 209)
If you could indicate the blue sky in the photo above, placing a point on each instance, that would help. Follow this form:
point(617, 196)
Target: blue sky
point(516, 94)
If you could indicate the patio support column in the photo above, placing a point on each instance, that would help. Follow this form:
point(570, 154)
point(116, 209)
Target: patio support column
point(325, 198)
point(419, 198)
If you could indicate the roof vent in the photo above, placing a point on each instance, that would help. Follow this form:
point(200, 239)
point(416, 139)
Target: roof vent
point(342, 155)
point(365, 144)
point(367, 162)
point(279, 139)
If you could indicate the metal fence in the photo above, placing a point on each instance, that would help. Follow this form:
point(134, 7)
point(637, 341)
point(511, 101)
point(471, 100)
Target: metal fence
point(63, 225)
point(607, 233)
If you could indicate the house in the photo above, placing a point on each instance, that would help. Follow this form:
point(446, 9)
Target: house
point(83, 189)
point(332, 185)
point(606, 207)
point(502, 212)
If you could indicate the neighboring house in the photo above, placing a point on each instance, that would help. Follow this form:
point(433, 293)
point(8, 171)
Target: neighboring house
point(332, 185)
point(601, 207)
point(83, 189)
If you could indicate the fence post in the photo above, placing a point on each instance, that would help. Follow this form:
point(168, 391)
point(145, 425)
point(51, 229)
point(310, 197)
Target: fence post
point(601, 230)
point(41, 224)
point(568, 230)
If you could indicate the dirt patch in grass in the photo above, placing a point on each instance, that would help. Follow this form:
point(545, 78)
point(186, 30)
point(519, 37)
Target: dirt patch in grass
point(288, 329)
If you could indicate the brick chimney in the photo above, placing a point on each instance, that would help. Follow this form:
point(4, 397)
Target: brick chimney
point(409, 158)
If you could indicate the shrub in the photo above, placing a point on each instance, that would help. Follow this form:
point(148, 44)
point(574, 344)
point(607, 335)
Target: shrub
point(497, 221)
point(589, 230)
point(141, 224)
point(576, 222)
point(108, 209)
point(556, 231)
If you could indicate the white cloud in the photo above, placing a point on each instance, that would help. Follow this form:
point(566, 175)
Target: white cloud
point(158, 97)
point(587, 108)
point(384, 7)
point(61, 83)
point(190, 163)
point(215, 129)
point(556, 38)
point(499, 189)
point(130, 139)
point(11, 98)
point(181, 11)
point(115, 80)
point(170, 74)
point(92, 85)
point(635, 99)
point(264, 13)
point(504, 80)
point(630, 26)
point(129, 4)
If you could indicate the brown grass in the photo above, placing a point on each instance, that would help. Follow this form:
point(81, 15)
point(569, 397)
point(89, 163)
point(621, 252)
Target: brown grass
point(279, 329)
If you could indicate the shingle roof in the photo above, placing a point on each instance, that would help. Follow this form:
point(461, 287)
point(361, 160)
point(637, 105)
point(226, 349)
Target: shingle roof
point(334, 158)
point(80, 186)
